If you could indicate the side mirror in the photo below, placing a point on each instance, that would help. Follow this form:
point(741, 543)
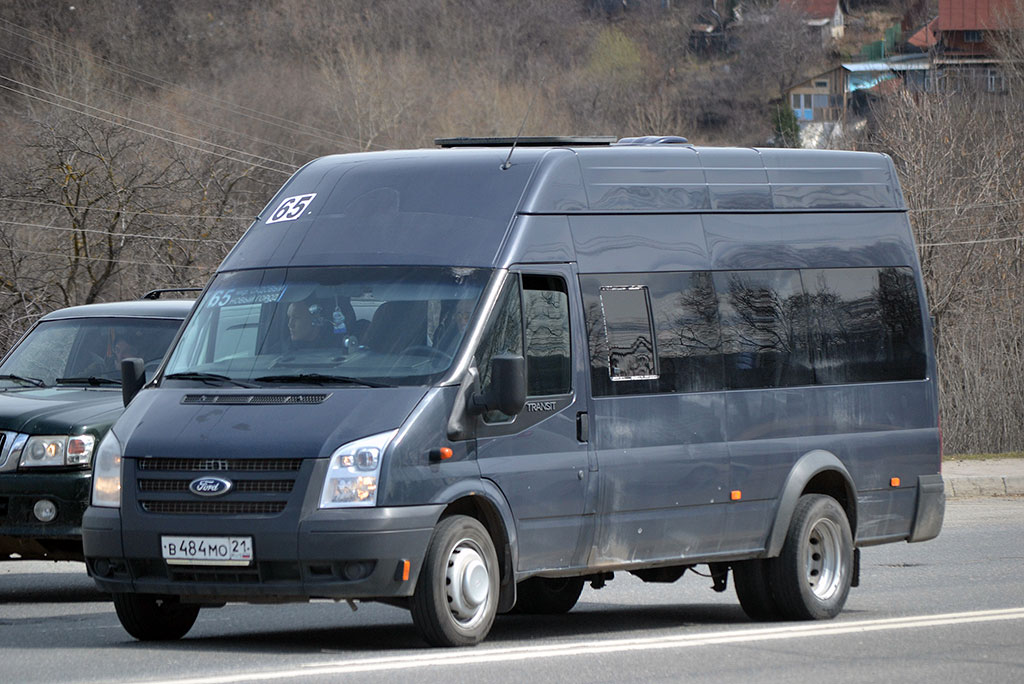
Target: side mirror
point(133, 377)
point(508, 387)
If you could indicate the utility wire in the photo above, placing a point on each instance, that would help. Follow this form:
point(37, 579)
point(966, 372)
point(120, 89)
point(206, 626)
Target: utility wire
point(156, 82)
point(17, 250)
point(127, 211)
point(151, 105)
point(291, 167)
point(971, 242)
point(144, 132)
point(167, 238)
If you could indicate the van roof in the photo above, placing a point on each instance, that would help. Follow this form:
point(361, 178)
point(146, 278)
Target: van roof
point(456, 205)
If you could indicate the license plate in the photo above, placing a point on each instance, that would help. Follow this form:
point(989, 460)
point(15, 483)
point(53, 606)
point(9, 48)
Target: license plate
point(207, 550)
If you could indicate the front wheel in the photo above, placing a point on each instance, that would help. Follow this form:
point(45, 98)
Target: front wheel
point(456, 595)
point(810, 579)
point(154, 618)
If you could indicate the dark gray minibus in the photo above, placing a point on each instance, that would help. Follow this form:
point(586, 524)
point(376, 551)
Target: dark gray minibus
point(469, 380)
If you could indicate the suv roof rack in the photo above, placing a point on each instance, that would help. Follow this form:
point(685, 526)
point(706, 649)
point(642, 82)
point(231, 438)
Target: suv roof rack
point(155, 294)
point(529, 141)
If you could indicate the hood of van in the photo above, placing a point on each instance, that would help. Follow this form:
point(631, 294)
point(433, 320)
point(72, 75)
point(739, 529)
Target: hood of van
point(306, 423)
point(58, 410)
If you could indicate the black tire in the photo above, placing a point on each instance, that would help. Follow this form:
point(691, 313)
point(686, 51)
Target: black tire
point(456, 595)
point(810, 579)
point(548, 595)
point(154, 618)
point(753, 589)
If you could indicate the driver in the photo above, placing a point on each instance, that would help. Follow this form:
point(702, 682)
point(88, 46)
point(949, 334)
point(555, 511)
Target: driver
point(306, 325)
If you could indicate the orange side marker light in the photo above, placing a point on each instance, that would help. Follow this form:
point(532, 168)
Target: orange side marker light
point(405, 570)
point(894, 482)
point(446, 453)
point(736, 495)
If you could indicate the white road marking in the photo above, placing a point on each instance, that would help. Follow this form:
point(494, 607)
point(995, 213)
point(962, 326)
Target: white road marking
point(582, 648)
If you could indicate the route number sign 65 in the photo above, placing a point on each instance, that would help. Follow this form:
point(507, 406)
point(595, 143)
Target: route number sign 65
point(291, 208)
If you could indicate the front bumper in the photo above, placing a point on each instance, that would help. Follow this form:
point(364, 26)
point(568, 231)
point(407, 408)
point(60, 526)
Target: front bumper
point(337, 554)
point(23, 534)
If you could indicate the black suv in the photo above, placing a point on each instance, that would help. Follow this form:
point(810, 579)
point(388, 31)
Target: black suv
point(60, 391)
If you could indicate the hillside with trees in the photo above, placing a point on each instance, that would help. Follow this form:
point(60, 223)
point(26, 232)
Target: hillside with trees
point(141, 138)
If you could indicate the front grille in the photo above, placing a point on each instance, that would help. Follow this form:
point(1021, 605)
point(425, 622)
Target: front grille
point(205, 465)
point(254, 399)
point(214, 507)
point(258, 486)
point(261, 486)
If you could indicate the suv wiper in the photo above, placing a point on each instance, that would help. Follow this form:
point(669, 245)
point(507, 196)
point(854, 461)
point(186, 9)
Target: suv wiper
point(320, 379)
point(92, 381)
point(35, 382)
point(208, 378)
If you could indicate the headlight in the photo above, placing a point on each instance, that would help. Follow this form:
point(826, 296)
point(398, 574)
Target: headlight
point(354, 471)
point(106, 473)
point(57, 450)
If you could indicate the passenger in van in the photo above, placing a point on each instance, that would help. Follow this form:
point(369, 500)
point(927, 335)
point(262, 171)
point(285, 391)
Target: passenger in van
point(307, 327)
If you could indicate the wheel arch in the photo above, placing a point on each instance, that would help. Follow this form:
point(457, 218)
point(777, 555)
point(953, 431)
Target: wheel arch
point(484, 502)
point(816, 472)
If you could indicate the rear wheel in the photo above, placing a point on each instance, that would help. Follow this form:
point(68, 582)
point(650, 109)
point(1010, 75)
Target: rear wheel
point(154, 618)
point(548, 595)
point(456, 595)
point(753, 589)
point(810, 579)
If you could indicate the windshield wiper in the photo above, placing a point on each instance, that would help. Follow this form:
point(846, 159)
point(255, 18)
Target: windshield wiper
point(320, 379)
point(35, 382)
point(92, 381)
point(208, 378)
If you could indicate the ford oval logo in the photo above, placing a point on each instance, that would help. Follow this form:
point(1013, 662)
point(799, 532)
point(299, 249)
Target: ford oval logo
point(209, 486)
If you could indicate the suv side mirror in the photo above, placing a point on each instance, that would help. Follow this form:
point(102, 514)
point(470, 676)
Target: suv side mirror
point(133, 377)
point(508, 387)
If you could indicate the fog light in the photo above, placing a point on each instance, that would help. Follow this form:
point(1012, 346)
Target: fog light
point(45, 510)
point(357, 570)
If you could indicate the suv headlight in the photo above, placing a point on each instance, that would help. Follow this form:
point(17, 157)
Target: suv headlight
point(106, 473)
point(57, 450)
point(354, 471)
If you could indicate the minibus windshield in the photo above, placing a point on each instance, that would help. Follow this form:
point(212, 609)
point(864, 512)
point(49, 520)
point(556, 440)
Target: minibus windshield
point(371, 326)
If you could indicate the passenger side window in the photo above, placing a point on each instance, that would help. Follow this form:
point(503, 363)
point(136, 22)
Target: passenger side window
point(546, 318)
point(671, 316)
point(764, 328)
point(865, 325)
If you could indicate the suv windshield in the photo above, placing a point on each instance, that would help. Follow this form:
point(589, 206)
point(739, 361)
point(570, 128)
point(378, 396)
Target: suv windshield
point(85, 351)
point(328, 326)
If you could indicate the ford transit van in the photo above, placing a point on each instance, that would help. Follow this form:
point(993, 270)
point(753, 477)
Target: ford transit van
point(469, 380)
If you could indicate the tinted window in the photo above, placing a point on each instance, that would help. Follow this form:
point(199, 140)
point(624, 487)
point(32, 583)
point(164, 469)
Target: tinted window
point(865, 325)
point(764, 328)
point(689, 338)
point(546, 319)
point(684, 316)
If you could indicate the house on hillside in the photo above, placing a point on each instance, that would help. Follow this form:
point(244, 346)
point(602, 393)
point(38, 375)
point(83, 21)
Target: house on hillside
point(965, 54)
point(824, 16)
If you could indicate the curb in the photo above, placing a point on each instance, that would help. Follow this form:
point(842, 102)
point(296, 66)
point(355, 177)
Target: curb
point(966, 486)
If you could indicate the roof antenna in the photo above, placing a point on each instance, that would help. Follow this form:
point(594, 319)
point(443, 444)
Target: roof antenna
point(508, 160)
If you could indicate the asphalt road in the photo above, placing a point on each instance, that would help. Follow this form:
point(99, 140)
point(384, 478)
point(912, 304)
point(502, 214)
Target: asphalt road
point(949, 610)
